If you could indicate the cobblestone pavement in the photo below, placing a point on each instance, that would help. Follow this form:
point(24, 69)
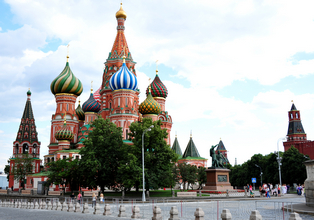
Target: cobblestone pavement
point(240, 209)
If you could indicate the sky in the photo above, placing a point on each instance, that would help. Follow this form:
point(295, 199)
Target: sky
point(231, 67)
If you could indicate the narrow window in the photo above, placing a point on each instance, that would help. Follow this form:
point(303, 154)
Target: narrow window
point(67, 107)
point(296, 115)
point(126, 101)
point(126, 134)
point(291, 115)
point(60, 107)
point(64, 157)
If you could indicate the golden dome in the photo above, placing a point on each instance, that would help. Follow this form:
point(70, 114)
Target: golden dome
point(121, 13)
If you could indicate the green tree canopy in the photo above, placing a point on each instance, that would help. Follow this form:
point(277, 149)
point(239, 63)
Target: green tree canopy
point(64, 172)
point(293, 169)
point(101, 156)
point(159, 157)
point(22, 167)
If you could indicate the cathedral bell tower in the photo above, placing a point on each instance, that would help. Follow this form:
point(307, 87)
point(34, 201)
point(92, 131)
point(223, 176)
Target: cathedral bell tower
point(113, 63)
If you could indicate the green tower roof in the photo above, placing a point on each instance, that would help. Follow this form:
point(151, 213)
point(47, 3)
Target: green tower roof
point(176, 147)
point(191, 150)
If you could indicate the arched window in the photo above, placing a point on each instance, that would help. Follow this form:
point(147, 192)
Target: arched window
point(296, 115)
point(291, 116)
point(34, 149)
point(25, 149)
point(48, 160)
point(109, 105)
point(67, 107)
point(16, 149)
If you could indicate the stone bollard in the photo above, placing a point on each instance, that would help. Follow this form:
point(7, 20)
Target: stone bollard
point(147, 194)
point(12, 204)
point(174, 213)
point(173, 194)
point(36, 205)
point(227, 193)
point(107, 210)
point(255, 215)
point(157, 213)
point(136, 212)
point(70, 207)
point(200, 193)
point(20, 205)
point(59, 206)
point(54, 205)
point(64, 207)
point(123, 194)
point(40, 204)
point(199, 214)
point(29, 205)
point(49, 206)
point(226, 215)
point(23, 206)
point(96, 209)
point(77, 207)
point(85, 208)
point(1, 203)
point(43, 205)
point(122, 211)
point(295, 216)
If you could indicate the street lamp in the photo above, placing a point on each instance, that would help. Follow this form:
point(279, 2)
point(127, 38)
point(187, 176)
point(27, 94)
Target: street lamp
point(147, 129)
point(261, 175)
point(279, 158)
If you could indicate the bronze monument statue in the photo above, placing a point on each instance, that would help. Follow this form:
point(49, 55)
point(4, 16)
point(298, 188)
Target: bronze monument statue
point(217, 159)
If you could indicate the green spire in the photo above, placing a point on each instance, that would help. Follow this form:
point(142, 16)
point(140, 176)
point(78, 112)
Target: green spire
point(191, 150)
point(176, 147)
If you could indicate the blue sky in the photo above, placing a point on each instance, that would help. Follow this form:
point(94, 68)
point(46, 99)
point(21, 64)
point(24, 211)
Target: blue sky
point(231, 67)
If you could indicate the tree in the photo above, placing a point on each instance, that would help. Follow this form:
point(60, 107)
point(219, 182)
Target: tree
point(158, 155)
point(101, 156)
point(293, 169)
point(22, 167)
point(64, 172)
point(7, 171)
point(201, 177)
point(187, 173)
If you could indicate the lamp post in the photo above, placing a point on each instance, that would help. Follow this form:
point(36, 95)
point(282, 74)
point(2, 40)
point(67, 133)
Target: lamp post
point(260, 175)
point(147, 129)
point(279, 158)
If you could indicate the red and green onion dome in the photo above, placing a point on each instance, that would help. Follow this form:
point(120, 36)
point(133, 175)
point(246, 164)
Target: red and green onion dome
point(80, 113)
point(158, 89)
point(64, 135)
point(91, 105)
point(66, 82)
point(149, 106)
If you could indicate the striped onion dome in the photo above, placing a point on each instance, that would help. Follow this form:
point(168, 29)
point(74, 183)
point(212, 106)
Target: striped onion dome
point(64, 133)
point(123, 79)
point(91, 105)
point(80, 113)
point(66, 82)
point(158, 89)
point(97, 95)
point(149, 106)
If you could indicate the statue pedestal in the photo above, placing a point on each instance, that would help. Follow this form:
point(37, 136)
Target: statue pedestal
point(217, 179)
point(309, 183)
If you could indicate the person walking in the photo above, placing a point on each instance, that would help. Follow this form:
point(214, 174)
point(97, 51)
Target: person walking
point(79, 197)
point(267, 192)
point(94, 200)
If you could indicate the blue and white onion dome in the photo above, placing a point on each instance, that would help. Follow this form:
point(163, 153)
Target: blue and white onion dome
point(123, 79)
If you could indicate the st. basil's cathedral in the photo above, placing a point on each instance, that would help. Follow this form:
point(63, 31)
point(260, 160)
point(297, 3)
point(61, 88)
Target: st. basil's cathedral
point(117, 100)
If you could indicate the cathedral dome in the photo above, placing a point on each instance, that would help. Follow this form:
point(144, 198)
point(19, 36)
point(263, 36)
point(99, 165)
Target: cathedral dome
point(123, 79)
point(149, 106)
point(158, 89)
point(66, 82)
point(29, 92)
point(64, 134)
point(80, 113)
point(91, 105)
point(121, 13)
point(97, 95)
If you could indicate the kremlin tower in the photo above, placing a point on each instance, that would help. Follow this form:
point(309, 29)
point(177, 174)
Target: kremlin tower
point(26, 142)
